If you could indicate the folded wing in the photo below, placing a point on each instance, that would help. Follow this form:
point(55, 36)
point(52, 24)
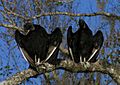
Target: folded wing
point(55, 39)
point(97, 44)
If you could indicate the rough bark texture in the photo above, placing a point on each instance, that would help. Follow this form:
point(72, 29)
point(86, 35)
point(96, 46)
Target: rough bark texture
point(113, 71)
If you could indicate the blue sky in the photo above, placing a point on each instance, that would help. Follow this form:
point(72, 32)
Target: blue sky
point(14, 58)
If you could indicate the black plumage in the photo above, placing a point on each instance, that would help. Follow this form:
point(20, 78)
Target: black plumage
point(82, 45)
point(55, 39)
point(97, 44)
point(37, 46)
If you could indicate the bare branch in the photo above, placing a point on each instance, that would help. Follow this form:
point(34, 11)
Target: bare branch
point(63, 50)
point(11, 26)
point(10, 12)
point(19, 77)
point(68, 65)
point(62, 13)
point(73, 14)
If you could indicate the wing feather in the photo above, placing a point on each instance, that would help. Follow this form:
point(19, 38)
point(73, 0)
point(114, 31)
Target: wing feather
point(27, 57)
point(97, 44)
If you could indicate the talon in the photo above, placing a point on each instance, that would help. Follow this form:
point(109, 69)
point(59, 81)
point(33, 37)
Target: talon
point(88, 64)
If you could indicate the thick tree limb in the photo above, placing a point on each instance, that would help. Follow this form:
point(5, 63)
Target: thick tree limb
point(63, 50)
point(19, 77)
point(100, 66)
point(113, 71)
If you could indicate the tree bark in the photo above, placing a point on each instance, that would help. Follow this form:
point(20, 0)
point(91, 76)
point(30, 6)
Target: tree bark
point(68, 65)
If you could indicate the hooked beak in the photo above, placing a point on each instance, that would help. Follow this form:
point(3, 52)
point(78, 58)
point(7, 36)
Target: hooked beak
point(25, 32)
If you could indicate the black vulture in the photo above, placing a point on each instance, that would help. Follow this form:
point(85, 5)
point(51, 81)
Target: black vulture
point(37, 46)
point(82, 45)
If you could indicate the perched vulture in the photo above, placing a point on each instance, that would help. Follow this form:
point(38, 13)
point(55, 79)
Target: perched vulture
point(37, 46)
point(83, 46)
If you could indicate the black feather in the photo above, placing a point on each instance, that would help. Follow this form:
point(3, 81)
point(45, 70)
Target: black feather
point(37, 44)
point(97, 44)
point(82, 43)
point(55, 39)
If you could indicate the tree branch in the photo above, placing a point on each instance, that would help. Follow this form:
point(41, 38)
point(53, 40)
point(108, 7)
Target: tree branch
point(59, 13)
point(10, 12)
point(63, 50)
point(68, 65)
point(64, 13)
point(73, 14)
point(11, 26)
